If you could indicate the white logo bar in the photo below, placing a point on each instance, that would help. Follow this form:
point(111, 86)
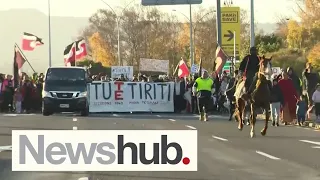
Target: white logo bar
point(99, 150)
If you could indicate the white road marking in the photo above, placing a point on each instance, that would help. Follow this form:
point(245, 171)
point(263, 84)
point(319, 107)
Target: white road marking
point(267, 155)
point(74, 128)
point(74, 119)
point(158, 115)
point(10, 115)
point(191, 127)
point(220, 138)
point(116, 115)
point(316, 147)
point(84, 178)
point(171, 120)
point(311, 142)
point(5, 148)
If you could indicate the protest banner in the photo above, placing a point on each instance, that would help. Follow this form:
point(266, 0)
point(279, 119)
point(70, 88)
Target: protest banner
point(154, 65)
point(120, 96)
point(127, 71)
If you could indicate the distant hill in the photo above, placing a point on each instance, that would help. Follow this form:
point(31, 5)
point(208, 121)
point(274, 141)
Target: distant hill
point(63, 30)
point(16, 21)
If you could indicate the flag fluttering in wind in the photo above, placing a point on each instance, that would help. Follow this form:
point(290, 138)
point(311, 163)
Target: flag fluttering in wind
point(200, 68)
point(221, 58)
point(30, 41)
point(81, 49)
point(183, 70)
point(18, 62)
point(69, 55)
point(74, 51)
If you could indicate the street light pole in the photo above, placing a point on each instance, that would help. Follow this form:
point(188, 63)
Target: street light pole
point(252, 35)
point(49, 31)
point(118, 27)
point(218, 22)
point(191, 39)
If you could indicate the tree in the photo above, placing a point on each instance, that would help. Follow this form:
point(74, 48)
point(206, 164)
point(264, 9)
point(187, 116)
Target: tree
point(314, 56)
point(268, 43)
point(101, 50)
point(294, 36)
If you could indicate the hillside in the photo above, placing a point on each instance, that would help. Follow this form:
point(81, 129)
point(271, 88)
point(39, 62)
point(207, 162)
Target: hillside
point(63, 30)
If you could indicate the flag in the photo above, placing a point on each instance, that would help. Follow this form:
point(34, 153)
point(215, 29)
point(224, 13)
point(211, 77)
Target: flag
point(221, 58)
point(81, 49)
point(18, 62)
point(200, 68)
point(69, 55)
point(30, 41)
point(183, 70)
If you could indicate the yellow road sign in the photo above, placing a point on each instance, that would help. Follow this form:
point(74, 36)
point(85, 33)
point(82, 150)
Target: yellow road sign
point(230, 29)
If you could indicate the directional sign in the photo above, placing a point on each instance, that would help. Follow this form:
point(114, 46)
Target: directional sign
point(230, 23)
point(169, 2)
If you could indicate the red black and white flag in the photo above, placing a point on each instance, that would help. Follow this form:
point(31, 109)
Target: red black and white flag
point(81, 49)
point(74, 51)
point(30, 41)
point(221, 59)
point(182, 68)
point(18, 62)
point(69, 55)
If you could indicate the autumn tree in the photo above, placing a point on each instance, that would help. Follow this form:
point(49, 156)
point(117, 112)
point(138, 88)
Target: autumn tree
point(101, 50)
point(314, 56)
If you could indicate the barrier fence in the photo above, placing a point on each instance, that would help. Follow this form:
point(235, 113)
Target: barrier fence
point(120, 96)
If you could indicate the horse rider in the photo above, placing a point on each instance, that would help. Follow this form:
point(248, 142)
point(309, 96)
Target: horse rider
point(249, 66)
point(203, 87)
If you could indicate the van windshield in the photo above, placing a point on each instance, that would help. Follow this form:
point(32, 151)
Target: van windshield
point(65, 74)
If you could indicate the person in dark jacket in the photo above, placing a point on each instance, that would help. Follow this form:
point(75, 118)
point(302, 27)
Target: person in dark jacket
point(231, 89)
point(311, 79)
point(295, 79)
point(250, 66)
point(276, 102)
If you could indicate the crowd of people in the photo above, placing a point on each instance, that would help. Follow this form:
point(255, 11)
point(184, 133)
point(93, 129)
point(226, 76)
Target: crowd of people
point(286, 89)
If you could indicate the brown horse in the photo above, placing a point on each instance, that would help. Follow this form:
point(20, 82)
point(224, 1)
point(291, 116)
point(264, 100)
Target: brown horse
point(260, 97)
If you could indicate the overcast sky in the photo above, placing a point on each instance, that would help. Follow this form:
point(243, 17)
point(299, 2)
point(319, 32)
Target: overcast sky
point(265, 10)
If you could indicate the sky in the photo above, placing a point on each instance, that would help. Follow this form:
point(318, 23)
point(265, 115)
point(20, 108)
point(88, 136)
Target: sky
point(266, 11)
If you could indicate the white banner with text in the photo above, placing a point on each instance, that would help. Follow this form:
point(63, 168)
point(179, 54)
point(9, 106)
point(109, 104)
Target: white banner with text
point(120, 96)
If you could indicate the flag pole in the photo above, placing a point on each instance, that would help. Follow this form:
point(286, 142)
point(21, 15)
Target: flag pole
point(75, 53)
point(16, 45)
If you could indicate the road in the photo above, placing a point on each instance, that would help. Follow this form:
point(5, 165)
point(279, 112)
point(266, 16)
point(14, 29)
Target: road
point(225, 153)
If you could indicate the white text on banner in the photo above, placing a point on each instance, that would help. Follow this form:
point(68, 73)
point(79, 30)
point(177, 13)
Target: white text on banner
point(120, 96)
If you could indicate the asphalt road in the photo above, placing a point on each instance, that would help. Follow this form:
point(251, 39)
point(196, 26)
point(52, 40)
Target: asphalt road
point(225, 153)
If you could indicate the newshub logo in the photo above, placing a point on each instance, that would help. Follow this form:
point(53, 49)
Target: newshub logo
point(99, 150)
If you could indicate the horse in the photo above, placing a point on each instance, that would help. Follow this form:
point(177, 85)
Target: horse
point(259, 98)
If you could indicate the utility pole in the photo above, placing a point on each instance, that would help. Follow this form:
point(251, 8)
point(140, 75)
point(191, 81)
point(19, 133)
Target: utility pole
point(252, 35)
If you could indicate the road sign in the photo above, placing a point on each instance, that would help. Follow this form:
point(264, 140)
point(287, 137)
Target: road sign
point(230, 23)
point(227, 67)
point(169, 2)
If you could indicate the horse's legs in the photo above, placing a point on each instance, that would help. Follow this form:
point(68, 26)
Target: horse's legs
point(264, 130)
point(240, 109)
point(253, 120)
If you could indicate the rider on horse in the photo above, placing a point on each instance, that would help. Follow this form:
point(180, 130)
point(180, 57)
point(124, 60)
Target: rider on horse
point(249, 66)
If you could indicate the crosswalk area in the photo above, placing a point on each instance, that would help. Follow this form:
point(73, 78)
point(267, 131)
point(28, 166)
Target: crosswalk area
point(126, 115)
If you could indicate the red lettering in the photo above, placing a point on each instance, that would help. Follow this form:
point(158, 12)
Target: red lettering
point(118, 93)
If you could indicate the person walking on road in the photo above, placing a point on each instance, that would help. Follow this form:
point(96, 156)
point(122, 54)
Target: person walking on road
point(203, 87)
point(316, 100)
point(275, 102)
point(302, 108)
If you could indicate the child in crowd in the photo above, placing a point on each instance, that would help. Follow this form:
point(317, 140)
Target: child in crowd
point(17, 98)
point(301, 110)
point(316, 101)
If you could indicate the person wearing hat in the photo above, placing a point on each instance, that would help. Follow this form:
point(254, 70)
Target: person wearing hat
point(249, 66)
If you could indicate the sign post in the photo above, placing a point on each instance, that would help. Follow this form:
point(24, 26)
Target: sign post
point(230, 27)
